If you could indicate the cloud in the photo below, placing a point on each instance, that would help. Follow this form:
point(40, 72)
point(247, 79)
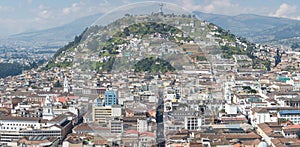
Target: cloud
point(221, 6)
point(191, 6)
point(29, 1)
point(89, 7)
point(45, 16)
point(73, 8)
point(6, 8)
point(286, 11)
point(44, 12)
point(42, 15)
point(212, 6)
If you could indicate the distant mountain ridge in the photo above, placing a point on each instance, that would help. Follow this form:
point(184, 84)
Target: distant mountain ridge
point(55, 36)
point(255, 28)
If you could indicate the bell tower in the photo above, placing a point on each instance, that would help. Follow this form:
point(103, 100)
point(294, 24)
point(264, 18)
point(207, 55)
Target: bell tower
point(48, 109)
point(66, 85)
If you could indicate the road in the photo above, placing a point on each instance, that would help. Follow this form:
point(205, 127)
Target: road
point(160, 137)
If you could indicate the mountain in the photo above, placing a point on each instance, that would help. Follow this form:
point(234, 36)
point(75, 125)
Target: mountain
point(57, 36)
point(253, 27)
point(181, 41)
point(286, 34)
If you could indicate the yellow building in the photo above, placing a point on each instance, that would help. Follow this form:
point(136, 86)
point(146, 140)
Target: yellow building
point(100, 113)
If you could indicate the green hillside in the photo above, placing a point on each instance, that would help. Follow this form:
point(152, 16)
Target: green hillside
point(129, 39)
point(153, 65)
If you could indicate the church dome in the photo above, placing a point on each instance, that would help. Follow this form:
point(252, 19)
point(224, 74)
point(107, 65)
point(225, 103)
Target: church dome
point(262, 144)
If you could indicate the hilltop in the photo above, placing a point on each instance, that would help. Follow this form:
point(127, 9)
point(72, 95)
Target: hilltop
point(124, 42)
point(249, 26)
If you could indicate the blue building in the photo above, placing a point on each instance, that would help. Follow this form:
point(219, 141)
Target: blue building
point(292, 115)
point(111, 97)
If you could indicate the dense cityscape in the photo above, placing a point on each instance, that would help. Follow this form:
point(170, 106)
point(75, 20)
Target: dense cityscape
point(159, 79)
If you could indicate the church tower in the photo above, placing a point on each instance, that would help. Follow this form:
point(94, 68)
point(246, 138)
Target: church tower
point(66, 85)
point(48, 109)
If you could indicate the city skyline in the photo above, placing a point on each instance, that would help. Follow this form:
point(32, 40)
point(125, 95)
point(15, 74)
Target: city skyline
point(153, 76)
point(31, 15)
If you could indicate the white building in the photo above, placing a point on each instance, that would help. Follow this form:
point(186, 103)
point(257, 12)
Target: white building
point(142, 125)
point(292, 115)
point(18, 123)
point(259, 115)
point(116, 126)
point(116, 110)
point(101, 113)
point(48, 109)
point(291, 131)
point(230, 109)
point(66, 85)
point(192, 123)
point(14, 128)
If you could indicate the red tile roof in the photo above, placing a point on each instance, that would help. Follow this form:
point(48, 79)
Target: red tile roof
point(62, 99)
point(297, 126)
point(150, 134)
point(132, 132)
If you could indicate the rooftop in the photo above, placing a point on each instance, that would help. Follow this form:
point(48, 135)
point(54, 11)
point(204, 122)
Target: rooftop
point(17, 118)
point(297, 126)
point(290, 112)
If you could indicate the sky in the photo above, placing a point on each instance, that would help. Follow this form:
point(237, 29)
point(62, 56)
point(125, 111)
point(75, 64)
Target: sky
point(18, 16)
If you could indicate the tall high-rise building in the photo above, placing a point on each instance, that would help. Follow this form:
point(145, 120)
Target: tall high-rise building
point(111, 97)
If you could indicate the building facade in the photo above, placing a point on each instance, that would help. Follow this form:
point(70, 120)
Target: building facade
point(111, 97)
point(101, 113)
point(292, 115)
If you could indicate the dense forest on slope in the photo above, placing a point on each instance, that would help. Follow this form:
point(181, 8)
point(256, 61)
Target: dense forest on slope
point(148, 28)
point(12, 69)
point(153, 65)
